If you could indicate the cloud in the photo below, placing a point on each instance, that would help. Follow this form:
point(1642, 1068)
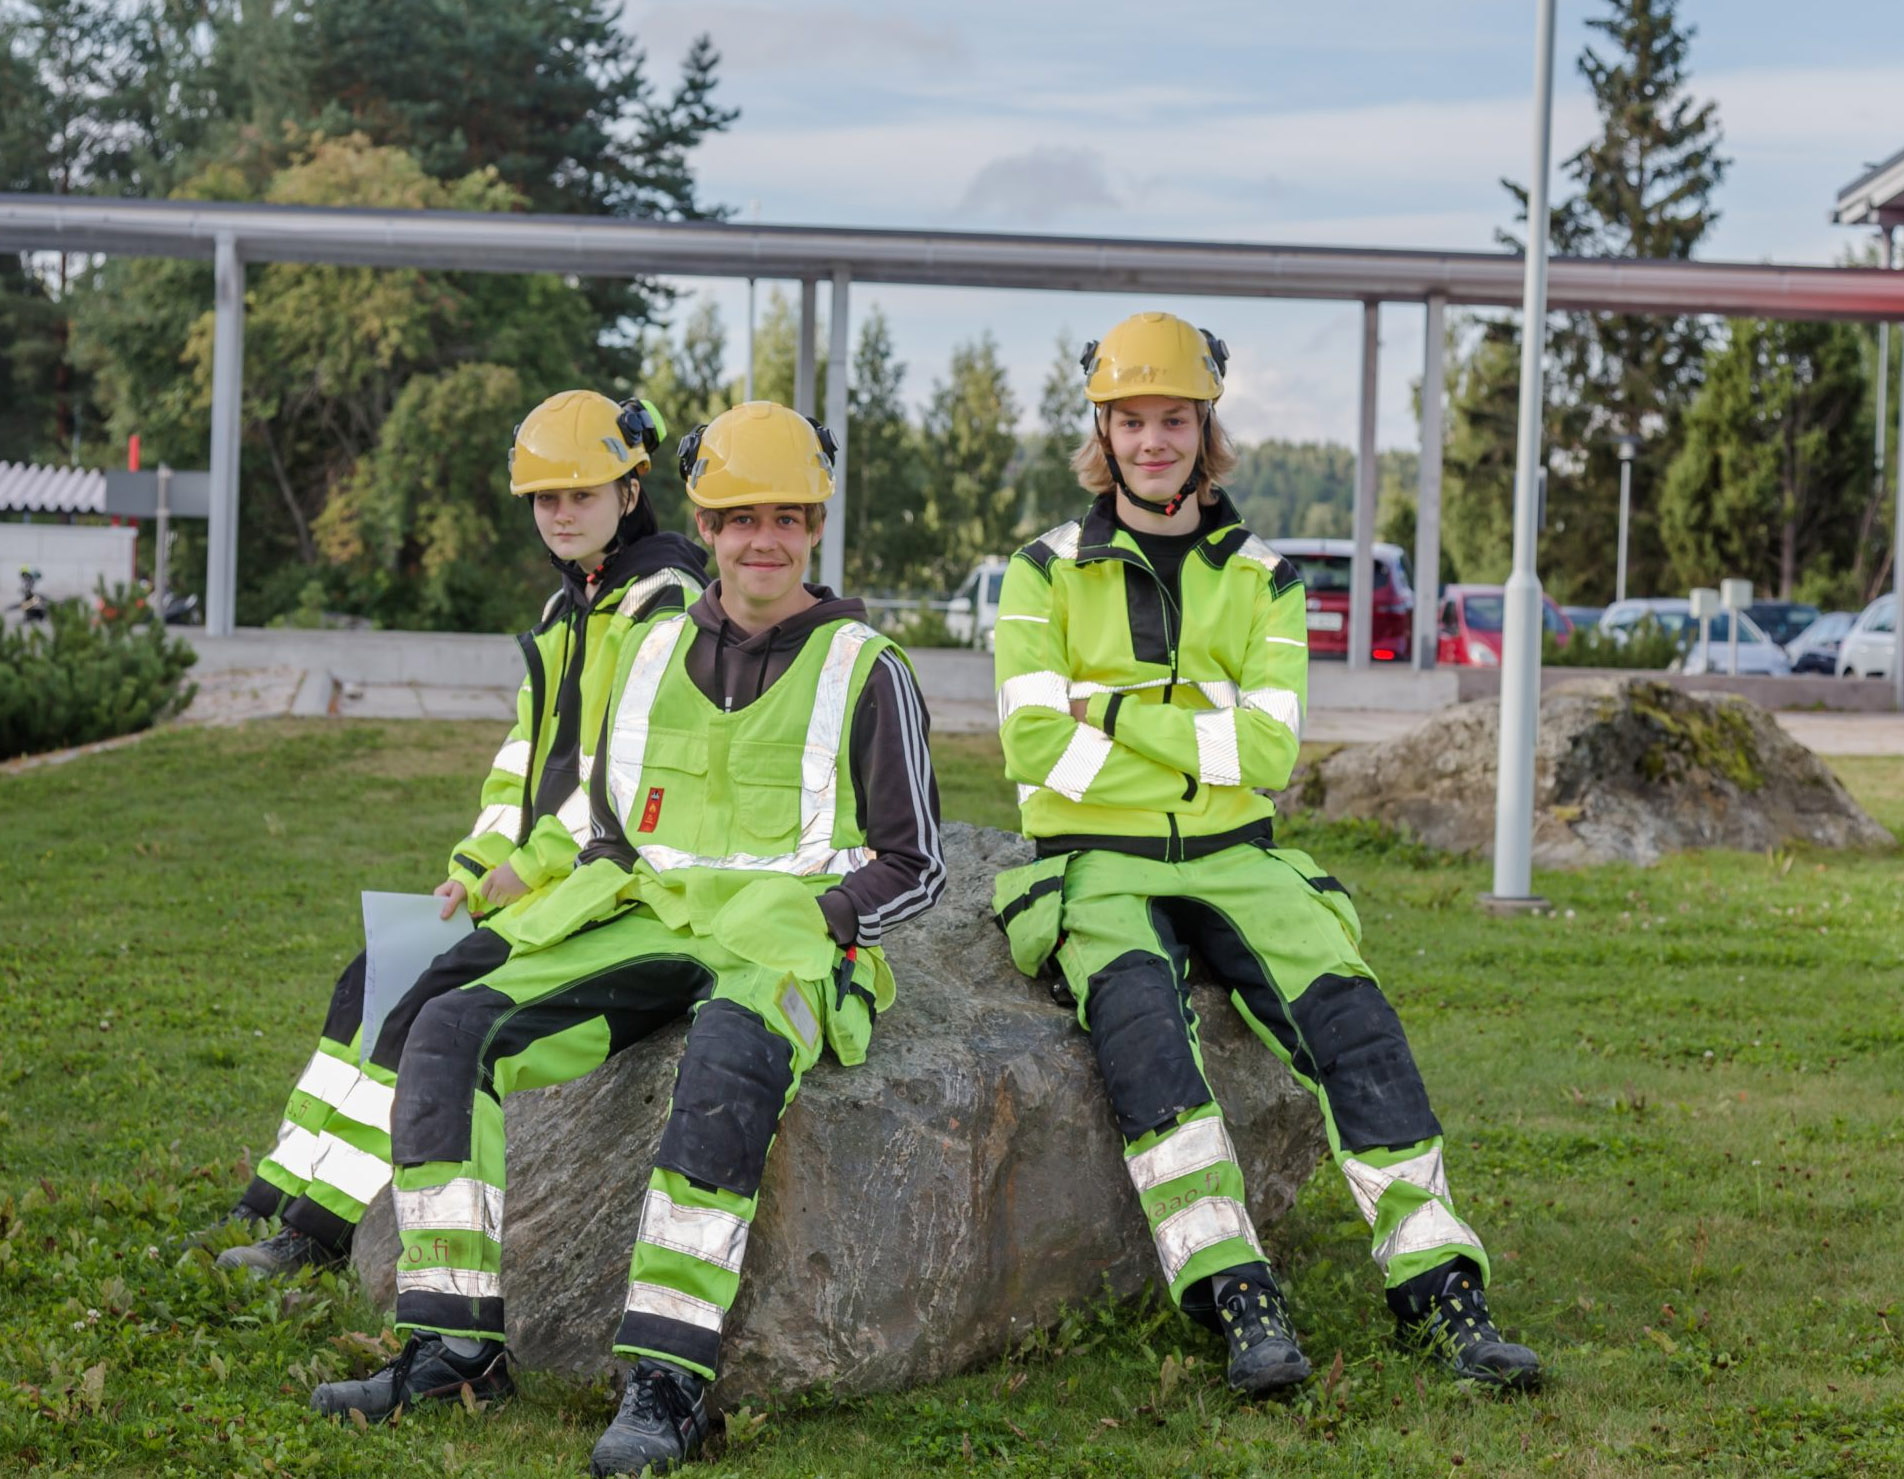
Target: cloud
point(1037, 187)
point(779, 38)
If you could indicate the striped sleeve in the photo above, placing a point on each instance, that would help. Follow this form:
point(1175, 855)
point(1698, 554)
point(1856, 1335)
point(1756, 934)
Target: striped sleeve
point(898, 800)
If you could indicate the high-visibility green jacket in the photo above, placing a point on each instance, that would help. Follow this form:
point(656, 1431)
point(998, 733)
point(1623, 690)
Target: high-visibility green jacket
point(1190, 705)
point(534, 813)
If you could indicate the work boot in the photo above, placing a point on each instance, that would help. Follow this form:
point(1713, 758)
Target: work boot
point(242, 1213)
point(1264, 1357)
point(662, 1420)
point(282, 1254)
point(425, 1370)
point(1444, 1313)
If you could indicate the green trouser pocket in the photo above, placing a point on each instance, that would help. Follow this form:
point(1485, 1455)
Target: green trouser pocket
point(1029, 903)
point(1328, 888)
point(852, 1004)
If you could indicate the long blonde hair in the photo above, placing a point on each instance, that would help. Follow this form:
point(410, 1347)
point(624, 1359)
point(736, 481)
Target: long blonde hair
point(1092, 460)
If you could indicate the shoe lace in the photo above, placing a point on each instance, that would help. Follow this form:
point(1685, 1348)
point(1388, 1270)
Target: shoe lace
point(1256, 1314)
point(287, 1240)
point(1460, 1317)
point(654, 1400)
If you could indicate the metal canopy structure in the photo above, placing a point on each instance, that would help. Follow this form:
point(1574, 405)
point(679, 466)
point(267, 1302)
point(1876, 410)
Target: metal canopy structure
point(233, 235)
point(1875, 198)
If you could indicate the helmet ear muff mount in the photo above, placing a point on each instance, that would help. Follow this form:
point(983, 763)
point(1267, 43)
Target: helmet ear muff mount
point(641, 426)
point(689, 452)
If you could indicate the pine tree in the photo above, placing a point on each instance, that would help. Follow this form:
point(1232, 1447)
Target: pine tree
point(1050, 489)
point(1642, 188)
point(1775, 464)
point(970, 438)
point(884, 487)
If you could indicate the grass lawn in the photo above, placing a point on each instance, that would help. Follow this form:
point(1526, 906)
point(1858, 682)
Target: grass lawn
point(1674, 1111)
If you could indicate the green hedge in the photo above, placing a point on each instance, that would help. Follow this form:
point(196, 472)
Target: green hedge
point(1647, 645)
point(86, 674)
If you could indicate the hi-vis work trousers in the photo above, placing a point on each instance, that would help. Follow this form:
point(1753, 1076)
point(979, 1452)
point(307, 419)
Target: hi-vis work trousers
point(549, 1016)
point(1283, 938)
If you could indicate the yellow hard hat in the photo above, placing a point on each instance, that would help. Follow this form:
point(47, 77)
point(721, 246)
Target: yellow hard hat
point(579, 439)
point(758, 452)
point(1154, 354)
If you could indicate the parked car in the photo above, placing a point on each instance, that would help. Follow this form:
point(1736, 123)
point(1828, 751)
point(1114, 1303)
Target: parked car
point(1869, 645)
point(977, 600)
point(1782, 621)
point(1324, 567)
point(1759, 655)
point(1815, 650)
point(1583, 616)
point(1470, 625)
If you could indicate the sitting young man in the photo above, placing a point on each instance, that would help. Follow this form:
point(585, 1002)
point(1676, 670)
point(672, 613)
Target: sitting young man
point(1152, 663)
point(763, 920)
point(576, 460)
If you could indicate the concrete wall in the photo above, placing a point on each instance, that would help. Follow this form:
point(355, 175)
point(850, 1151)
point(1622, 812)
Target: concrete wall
point(430, 659)
point(72, 557)
point(1799, 691)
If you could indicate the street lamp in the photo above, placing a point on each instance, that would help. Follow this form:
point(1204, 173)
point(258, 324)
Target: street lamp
point(1628, 446)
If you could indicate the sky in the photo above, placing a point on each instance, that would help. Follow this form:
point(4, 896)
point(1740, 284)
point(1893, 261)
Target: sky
point(1378, 123)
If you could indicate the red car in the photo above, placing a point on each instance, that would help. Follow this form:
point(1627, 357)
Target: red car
point(1324, 567)
point(1470, 630)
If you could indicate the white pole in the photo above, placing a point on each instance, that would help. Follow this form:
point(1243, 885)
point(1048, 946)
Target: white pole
point(1428, 494)
point(1897, 568)
point(1520, 645)
point(1626, 514)
point(228, 386)
point(803, 376)
point(161, 575)
point(750, 340)
point(833, 541)
point(1362, 562)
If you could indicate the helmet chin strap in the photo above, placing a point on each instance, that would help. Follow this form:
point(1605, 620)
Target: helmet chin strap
point(1165, 507)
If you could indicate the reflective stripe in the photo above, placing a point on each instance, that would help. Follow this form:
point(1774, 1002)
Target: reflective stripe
point(1367, 1183)
point(1219, 762)
point(819, 773)
point(499, 818)
point(1025, 793)
point(1288, 642)
point(1257, 551)
point(296, 1150)
point(700, 1232)
point(470, 1283)
point(1041, 620)
point(649, 586)
point(1039, 690)
point(1221, 693)
point(513, 759)
point(628, 736)
point(671, 1304)
point(327, 1079)
point(463, 1205)
point(1203, 1224)
point(1281, 704)
point(1082, 689)
point(1063, 540)
point(368, 1103)
point(1198, 1144)
point(1429, 1226)
point(573, 815)
point(1082, 759)
point(356, 1173)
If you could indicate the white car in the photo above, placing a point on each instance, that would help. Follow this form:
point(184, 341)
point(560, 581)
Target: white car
point(1868, 647)
point(976, 600)
point(1759, 655)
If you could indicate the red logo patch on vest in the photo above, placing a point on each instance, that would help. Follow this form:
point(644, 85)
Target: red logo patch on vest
point(651, 813)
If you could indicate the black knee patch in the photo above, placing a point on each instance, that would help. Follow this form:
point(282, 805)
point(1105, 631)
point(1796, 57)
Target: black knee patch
point(1140, 1027)
point(728, 1094)
point(1363, 1063)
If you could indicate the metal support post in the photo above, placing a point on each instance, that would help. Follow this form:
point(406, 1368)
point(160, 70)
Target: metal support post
point(162, 533)
point(1629, 448)
point(1362, 562)
point(1897, 567)
point(1520, 646)
point(833, 542)
point(803, 375)
point(1428, 493)
point(228, 386)
point(751, 284)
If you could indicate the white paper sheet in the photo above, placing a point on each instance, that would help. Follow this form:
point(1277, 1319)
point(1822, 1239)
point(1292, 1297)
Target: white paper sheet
point(402, 935)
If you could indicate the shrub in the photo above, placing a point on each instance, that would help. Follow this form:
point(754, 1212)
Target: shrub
point(1646, 644)
point(83, 675)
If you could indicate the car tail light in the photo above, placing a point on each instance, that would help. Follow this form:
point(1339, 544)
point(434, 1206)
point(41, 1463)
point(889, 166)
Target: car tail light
point(1482, 655)
point(1385, 654)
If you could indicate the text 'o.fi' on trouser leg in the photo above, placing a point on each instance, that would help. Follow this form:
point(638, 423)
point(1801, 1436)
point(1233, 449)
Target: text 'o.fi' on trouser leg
point(745, 1054)
point(544, 1018)
point(1344, 1041)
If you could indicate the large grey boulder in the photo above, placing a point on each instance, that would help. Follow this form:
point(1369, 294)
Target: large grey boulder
point(1625, 769)
point(920, 1212)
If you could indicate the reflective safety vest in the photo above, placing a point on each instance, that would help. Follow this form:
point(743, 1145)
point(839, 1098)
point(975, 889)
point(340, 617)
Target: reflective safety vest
point(506, 830)
point(711, 799)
